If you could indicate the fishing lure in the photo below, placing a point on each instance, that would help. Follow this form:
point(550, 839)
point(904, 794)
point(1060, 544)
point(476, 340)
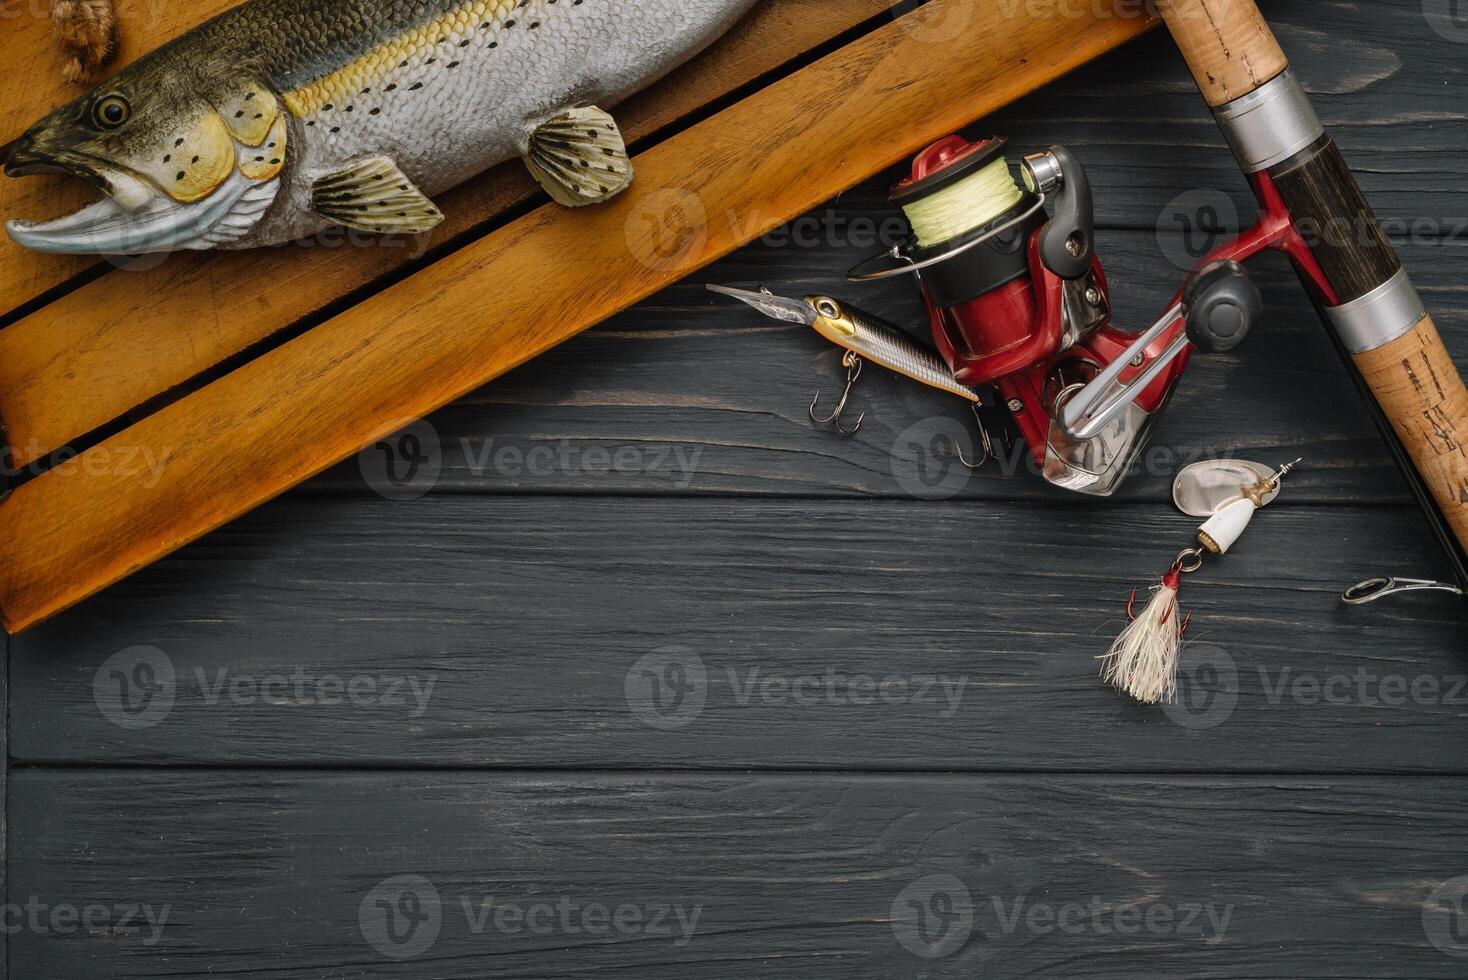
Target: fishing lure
point(864, 338)
point(1143, 659)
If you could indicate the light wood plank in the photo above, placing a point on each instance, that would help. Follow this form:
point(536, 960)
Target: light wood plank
point(490, 306)
point(131, 335)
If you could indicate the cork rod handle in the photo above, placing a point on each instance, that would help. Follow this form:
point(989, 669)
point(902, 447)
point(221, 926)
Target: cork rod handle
point(1227, 44)
point(1232, 52)
point(1422, 394)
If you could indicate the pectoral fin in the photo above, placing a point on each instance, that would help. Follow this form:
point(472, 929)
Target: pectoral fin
point(579, 157)
point(374, 196)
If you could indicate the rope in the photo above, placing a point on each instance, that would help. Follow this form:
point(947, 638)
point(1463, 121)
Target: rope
point(87, 30)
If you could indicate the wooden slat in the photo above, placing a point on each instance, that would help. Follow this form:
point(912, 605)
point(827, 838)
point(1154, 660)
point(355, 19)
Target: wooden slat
point(31, 78)
point(1141, 156)
point(279, 876)
point(713, 378)
point(127, 337)
point(24, 274)
point(506, 298)
point(509, 628)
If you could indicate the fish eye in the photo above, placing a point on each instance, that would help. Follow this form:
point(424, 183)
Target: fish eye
point(112, 111)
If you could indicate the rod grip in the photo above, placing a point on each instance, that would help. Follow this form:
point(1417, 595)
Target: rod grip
point(1227, 44)
point(1422, 395)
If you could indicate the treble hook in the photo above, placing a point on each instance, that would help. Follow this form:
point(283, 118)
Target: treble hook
point(852, 363)
point(984, 442)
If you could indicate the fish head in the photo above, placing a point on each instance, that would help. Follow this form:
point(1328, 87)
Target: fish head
point(179, 164)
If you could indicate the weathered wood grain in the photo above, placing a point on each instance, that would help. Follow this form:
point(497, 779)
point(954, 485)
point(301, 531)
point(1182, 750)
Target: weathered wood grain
point(292, 875)
point(159, 321)
point(410, 348)
point(517, 632)
point(1144, 152)
point(699, 373)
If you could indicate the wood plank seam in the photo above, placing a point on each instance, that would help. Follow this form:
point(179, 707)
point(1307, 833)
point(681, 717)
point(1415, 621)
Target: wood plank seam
point(70, 366)
point(363, 387)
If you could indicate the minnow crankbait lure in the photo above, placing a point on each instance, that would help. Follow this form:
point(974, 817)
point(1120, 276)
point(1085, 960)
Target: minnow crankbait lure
point(863, 336)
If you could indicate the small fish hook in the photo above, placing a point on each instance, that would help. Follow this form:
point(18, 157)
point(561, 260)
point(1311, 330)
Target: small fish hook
point(1132, 616)
point(852, 363)
point(984, 443)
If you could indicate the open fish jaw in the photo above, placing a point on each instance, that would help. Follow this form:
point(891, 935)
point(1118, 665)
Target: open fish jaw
point(160, 225)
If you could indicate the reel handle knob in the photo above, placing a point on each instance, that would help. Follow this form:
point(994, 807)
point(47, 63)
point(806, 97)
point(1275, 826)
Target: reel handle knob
point(1222, 304)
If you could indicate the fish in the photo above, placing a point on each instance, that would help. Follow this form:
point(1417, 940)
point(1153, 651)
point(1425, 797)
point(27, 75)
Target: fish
point(281, 118)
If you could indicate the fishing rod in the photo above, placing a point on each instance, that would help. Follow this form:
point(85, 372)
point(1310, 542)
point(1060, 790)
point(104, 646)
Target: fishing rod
point(1313, 210)
point(1018, 299)
point(1018, 303)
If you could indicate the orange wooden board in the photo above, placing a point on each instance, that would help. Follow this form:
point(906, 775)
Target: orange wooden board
point(486, 308)
point(141, 330)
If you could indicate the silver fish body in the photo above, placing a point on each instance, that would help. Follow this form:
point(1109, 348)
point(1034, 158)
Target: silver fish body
point(282, 117)
point(881, 343)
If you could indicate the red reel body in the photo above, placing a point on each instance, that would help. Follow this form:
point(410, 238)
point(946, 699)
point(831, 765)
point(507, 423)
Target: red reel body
point(1021, 302)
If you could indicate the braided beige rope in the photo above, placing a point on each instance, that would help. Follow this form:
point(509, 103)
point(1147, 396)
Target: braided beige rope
point(87, 29)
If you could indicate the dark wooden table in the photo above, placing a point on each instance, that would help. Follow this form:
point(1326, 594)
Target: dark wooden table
point(622, 667)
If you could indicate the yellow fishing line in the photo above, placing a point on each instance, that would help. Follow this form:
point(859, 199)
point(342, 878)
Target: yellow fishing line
point(961, 207)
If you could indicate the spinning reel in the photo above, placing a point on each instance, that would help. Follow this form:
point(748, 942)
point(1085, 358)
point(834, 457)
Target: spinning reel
point(1018, 303)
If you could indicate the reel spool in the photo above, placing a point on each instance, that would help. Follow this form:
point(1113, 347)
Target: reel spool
point(971, 223)
point(1017, 299)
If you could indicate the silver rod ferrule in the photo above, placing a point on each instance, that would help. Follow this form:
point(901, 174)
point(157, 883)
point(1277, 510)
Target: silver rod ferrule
point(1379, 317)
point(1270, 124)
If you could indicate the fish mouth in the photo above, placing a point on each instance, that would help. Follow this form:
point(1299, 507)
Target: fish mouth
point(131, 217)
point(28, 159)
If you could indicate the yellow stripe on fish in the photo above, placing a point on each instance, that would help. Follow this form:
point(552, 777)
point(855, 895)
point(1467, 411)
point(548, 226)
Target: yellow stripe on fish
point(408, 51)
